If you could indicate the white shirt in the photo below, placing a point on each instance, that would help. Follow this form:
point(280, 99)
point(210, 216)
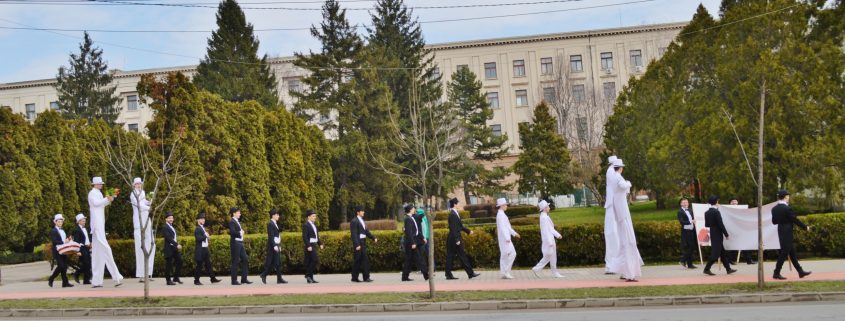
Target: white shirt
point(689, 217)
point(174, 230)
point(313, 239)
point(85, 233)
point(362, 222)
point(240, 239)
point(204, 243)
point(415, 224)
point(62, 234)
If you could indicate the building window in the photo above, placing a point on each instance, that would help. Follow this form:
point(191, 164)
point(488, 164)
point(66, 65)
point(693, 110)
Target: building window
point(519, 68)
point(549, 94)
point(661, 51)
point(493, 99)
point(459, 67)
point(575, 64)
point(30, 112)
point(636, 58)
point(521, 98)
point(435, 73)
point(490, 70)
point(497, 130)
point(607, 61)
point(581, 123)
point(546, 66)
point(579, 94)
point(132, 127)
point(295, 84)
point(54, 105)
point(132, 102)
point(609, 91)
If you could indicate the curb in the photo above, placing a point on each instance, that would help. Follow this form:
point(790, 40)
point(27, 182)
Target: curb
point(435, 306)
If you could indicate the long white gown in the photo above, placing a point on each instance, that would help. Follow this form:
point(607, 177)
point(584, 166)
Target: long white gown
point(630, 263)
point(611, 236)
point(148, 241)
point(101, 254)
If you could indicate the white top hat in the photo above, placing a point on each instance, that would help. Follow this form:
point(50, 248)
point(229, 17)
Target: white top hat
point(137, 180)
point(58, 217)
point(80, 217)
point(543, 205)
point(97, 180)
point(611, 159)
point(618, 163)
point(501, 201)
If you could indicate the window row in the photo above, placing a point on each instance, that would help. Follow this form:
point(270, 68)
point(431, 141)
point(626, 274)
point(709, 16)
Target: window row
point(576, 64)
point(29, 112)
point(550, 95)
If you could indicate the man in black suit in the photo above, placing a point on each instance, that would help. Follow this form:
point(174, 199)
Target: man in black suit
point(713, 220)
point(273, 260)
point(784, 217)
point(360, 233)
point(172, 251)
point(414, 241)
point(311, 241)
point(236, 246)
point(688, 240)
point(58, 237)
point(82, 236)
point(202, 256)
point(454, 243)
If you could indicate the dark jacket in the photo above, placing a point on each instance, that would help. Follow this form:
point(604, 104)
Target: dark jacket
point(199, 237)
point(713, 220)
point(56, 239)
point(683, 219)
point(308, 234)
point(234, 230)
point(356, 229)
point(785, 218)
point(272, 233)
point(455, 227)
point(413, 235)
point(79, 237)
point(171, 246)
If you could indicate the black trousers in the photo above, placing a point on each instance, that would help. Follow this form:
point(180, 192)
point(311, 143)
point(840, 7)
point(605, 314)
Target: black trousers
point(361, 262)
point(453, 250)
point(717, 251)
point(84, 264)
point(239, 258)
point(689, 243)
point(169, 262)
point(272, 262)
point(311, 258)
point(61, 268)
point(203, 260)
point(787, 249)
point(414, 255)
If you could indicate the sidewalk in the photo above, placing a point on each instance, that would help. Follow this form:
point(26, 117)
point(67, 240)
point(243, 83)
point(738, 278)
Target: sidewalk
point(19, 282)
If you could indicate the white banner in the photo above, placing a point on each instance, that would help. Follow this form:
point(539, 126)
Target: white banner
point(741, 223)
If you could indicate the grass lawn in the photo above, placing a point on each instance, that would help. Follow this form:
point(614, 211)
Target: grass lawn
point(640, 212)
point(535, 294)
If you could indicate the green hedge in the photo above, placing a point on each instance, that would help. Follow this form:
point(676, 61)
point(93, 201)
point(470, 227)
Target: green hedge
point(581, 245)
point(444, 215)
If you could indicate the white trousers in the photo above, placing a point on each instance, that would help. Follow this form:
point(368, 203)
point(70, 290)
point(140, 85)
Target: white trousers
point(506, 258)
point(549, 256)
point(139, 253)
point(101, 257)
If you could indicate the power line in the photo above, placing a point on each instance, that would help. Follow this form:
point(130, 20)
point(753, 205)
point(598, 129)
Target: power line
point(245, 6)
point(308, 28)
point(740, 20)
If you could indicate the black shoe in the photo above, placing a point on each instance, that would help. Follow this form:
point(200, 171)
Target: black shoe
point(692, 266)
point(76, 277)
point(750, 262)
point(67, 285)
point(356, 280)
point(215, 280)
point(425, 276)
point(281, 281)
point(708, 272)
point(777, 276)
point(96, 286)
point(264, 279)
point(177, 281)
point(449, 277)
point(803, 274)
point(246, 282)
point(368, 280)
point(731, 271)
point(197, 282)
point(86, 282)
point(475, 275)
point(314, 281)
point(141, 280)
point(50, 282)
point(170, 283)
point(407, 280)
point(236, 283)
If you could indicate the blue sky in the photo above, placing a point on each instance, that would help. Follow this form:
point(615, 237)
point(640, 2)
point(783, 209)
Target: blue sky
point(29, 54)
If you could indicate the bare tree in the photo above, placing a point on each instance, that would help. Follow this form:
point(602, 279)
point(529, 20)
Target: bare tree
point(430, 138)
point(581, 113)
point(130, 153)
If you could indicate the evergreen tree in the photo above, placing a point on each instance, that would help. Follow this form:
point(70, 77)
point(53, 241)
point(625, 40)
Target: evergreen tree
point(231, 67)
point(543, 165)
point(21, 187)
point(84, 88)
point(464, 91)
point(54, 157)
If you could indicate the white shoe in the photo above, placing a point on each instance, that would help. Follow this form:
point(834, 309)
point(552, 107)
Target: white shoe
point(507, 276)
point(557, 275)
point(536, 272)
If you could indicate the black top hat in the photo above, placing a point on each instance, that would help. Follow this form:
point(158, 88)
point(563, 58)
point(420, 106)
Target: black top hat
point(782, 193)
point(233, 210)
point(274, 212)
point(359, 208)
point(713, 199)
point(168, 214)
point(310, 212)
point(409, 207)
point(201, 215)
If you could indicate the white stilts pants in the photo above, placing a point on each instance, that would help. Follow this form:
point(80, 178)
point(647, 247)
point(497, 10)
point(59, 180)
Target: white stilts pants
point(101, 257)
point(139, 253)
point(507, 256)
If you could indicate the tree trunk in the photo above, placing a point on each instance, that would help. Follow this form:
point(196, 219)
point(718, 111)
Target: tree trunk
point(760, 279)
point(660, 199)
point(466, 192)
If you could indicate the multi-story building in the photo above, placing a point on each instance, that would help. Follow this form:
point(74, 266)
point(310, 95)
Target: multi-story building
point(517, 73)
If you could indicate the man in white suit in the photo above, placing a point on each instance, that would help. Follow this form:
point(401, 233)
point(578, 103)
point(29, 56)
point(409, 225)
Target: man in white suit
point(101, 255)
point(629, 261)
point(507, 253)
point(142, 205)
point(611, 237)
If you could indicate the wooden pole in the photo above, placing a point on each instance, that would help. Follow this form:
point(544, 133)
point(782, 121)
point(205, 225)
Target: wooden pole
point(760, 280)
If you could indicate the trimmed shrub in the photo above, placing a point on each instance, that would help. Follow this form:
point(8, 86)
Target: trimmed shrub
point(581, 245)
point(481, 210)
point(523, 221)
point(480, 214)
point(375, 225)
point(444, 215)
point(521, 210)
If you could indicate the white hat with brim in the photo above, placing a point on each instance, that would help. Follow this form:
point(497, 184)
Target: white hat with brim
point(80, 217)
point(501, 201)
point(618, 163)
point(543, 205)
point(97, 180)
point(611, 159)
point(58, 217)
point(137, 180)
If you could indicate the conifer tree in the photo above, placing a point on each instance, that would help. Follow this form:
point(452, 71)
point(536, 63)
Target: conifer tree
point(84, 88)
point(543, 165)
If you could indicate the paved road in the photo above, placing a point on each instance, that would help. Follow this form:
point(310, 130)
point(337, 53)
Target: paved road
point(745, 312)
